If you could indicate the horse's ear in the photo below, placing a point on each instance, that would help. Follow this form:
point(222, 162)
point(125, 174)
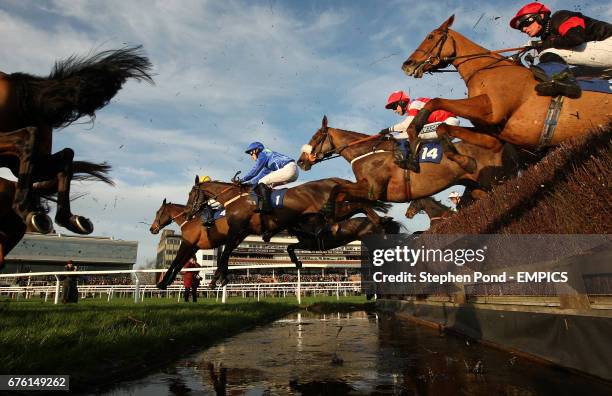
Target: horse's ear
point(448, 23)
point(197, 178)
point(163, 203)
point(324, 122)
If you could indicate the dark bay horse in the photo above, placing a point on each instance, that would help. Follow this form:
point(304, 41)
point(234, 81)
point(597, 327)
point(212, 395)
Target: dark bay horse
point(379, 178)
point(299, 202)
point(31, 107)
point(12, 226)
point(434, 209)
point(308, 230)
point(501, 97)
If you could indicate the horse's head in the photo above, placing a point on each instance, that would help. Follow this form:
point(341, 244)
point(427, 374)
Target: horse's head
point(319, 147)
point(432, 52)
point(162, 218)
point(414, 209)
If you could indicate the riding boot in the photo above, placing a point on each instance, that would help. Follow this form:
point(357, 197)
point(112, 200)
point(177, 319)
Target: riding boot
point(208, 216)
point(413, 161)
point(263, 192)
point(555, 77)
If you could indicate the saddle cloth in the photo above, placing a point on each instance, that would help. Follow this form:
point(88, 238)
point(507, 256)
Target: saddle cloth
point(276, 197)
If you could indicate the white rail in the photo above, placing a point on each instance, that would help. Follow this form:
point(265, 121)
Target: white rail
point(140, 291)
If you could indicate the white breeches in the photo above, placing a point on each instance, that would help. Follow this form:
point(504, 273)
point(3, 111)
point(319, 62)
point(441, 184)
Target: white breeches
point(284, 175)
point(592, 54)
point(429, 130)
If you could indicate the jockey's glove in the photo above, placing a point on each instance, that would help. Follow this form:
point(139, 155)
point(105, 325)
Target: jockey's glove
point(516, 58)
point(536, 44)
point(385, 131)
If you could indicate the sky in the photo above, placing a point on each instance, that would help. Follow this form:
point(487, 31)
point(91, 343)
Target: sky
point(231, 72)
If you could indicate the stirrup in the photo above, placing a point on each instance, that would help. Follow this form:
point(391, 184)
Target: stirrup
point(555, 88)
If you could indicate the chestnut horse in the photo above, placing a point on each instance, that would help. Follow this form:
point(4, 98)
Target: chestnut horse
point(501, 97)
point(310, 231)
point(12, 226)
point(31, 107)
point(379, 178)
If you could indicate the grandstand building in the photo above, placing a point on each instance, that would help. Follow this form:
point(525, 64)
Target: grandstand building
point(40, 253)
point(167, 248)
point(254, 251)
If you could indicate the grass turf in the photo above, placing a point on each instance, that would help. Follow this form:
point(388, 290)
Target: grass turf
point(98, 342)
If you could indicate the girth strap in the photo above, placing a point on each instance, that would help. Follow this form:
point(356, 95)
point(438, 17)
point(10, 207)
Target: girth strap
point(550, 123)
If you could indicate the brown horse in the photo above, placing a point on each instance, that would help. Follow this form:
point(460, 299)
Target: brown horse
point(379, 178)
point(31, 107)
point(12, 226)
point(501, 97)
point(435, 210)
point(312, 233)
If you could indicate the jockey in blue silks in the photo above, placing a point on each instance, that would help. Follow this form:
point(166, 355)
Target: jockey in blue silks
point(271, 169)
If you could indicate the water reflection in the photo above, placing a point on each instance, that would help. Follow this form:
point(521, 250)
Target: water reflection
point(356, 353)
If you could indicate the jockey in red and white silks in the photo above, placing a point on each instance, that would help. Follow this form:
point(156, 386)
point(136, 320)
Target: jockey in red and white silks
point(400, 103)
point(579, 40)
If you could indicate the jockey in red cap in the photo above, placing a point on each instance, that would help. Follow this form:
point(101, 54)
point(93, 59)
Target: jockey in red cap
point(567, 38)
point(400, 103)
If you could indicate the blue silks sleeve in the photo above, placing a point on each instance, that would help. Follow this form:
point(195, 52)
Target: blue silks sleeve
point(259, 166)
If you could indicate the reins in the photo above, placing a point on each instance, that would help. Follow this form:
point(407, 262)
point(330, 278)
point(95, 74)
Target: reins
point(446, 60)
point(339, 149)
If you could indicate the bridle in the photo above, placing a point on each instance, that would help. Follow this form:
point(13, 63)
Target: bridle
point(159, 226)
point(325, 155)
point(445, 61)
point(442, 62)
point(334, 152)
point(197, 203)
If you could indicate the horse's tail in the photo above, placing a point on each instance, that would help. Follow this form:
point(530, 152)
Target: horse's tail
point(78, 86)
point(381, 206)
point(85, 170)
point(391, 226)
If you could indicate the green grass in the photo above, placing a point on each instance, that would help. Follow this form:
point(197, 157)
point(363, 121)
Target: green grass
point(99, 342)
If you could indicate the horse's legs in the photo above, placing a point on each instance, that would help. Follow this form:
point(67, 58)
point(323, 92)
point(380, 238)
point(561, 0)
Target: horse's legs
point(291, 251)
point(222, 262)
point(12, 231)
point(21, 144)
point(60, 166)
point(185, 251)
point(352, 192)
point(470, 135)
point(477, 109)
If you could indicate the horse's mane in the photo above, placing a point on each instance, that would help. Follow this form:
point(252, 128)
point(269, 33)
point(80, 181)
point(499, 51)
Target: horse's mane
point(352, 133)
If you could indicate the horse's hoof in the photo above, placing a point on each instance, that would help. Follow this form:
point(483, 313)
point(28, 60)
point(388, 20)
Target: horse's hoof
point(298, 265)
point(39, 222)
point(77, 224)
point(224, 281)
point(161, 286)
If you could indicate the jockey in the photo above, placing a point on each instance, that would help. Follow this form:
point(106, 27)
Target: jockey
point(400, 103)
point(455, 198)
point(567, 38)
point(271, 169)
point(211, 206)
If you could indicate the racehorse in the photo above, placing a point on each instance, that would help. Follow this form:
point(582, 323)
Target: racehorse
point(12, 226)
point(379, 178)
point(299, 202)
point(312, 233)
point(434, 209)
point(31, 107)
point(501, 97)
